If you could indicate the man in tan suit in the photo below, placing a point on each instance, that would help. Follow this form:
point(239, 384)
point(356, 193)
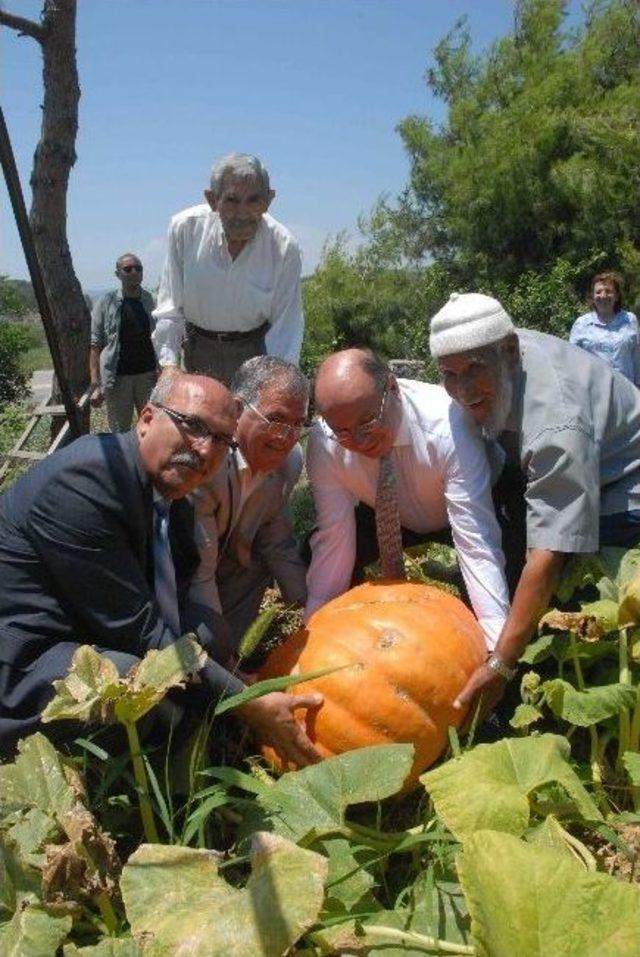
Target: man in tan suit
point(245, 534)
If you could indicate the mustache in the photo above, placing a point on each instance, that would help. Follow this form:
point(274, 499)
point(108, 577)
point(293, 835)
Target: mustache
point(189, 458)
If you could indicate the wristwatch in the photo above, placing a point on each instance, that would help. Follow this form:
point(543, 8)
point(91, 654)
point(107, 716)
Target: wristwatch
point(495, 662)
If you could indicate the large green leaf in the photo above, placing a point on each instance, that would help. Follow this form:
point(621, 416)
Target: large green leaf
point(87, 693)
point(175, 897)
point(37, 778)
point(92, 691)
point(313, 801)
point(629, 608)
point(108, 947)
point(489, 786)
point(17, 877)
point(31, 831)
point(348, 881)
point(585, 708)
point(631, 761)
point(33, 931)
point(524, 715)
point(528, 901)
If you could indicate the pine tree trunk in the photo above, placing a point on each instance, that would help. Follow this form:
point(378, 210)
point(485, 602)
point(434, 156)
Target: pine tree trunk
point(53, 160)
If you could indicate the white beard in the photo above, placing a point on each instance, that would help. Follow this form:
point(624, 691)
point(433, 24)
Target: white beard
point(496, 422)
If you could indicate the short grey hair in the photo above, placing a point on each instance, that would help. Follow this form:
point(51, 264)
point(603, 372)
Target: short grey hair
point(165, 385)
point(261, 372)
point(238, 166)
point(127, 256)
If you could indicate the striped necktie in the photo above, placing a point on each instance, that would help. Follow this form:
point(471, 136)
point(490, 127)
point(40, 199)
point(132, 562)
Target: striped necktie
point(164, 571)
point(388, 530)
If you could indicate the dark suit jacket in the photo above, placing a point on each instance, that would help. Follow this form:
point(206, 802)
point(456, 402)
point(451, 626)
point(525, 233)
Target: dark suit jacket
point(76, 563)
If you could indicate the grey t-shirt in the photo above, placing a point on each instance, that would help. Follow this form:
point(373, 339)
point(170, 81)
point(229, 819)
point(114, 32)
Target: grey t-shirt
point(579, 428)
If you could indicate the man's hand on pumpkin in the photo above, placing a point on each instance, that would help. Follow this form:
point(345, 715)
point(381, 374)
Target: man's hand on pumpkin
point(272, 718)
point(483, 690)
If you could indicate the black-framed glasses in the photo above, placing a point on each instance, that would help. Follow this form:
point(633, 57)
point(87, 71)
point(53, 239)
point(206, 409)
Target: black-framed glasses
point(134, 267)
point(366, 429)
point(196, 428)
point(279, 430)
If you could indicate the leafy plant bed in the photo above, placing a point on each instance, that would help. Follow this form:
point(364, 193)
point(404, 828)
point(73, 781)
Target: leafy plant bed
point(503, 849)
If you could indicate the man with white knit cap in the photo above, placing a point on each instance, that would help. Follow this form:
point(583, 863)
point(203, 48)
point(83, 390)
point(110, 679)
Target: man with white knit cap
point(569, 428)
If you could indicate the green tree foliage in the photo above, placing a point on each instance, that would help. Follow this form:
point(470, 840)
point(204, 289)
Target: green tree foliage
point(12, 302)
point(539, 156)
point(359, 298)
point(15, 340)
point(530, 186)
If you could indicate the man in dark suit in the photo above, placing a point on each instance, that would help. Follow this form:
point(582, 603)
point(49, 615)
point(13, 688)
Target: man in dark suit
point(79, 559)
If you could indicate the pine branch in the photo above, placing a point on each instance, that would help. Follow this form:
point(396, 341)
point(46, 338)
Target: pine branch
point(22, 25)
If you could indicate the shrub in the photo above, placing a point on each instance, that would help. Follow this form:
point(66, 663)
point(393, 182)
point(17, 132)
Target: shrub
point(15, 340)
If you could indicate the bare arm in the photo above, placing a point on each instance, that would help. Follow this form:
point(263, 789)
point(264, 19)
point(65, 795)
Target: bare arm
point(97, 395)
point(529, 603)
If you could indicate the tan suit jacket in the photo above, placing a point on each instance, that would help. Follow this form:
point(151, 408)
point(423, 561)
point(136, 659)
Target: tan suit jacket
point(244, 518)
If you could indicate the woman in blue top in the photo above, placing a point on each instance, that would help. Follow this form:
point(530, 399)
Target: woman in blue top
point(609, 331)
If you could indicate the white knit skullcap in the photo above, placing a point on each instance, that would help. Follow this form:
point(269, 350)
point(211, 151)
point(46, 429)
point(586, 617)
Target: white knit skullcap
point(469, 320)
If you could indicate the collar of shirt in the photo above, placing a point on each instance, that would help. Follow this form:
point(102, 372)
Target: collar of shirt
point(407, 420)
point(593, 319)
point(248, 480)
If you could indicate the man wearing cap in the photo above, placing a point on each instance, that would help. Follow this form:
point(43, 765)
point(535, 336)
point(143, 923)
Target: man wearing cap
point(569, 430)
point(230, 288)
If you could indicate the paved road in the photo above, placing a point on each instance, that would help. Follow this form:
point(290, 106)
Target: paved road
point(40, 385)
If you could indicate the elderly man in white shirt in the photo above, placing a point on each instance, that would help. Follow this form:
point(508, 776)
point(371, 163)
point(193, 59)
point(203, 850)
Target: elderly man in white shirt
point(442, 475)
point(230, 287)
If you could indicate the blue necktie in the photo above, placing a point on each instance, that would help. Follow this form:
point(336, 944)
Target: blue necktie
point(164, 571)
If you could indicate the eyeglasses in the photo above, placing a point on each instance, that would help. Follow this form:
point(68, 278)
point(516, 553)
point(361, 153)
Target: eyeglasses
point(196, 429)
point(363, 431)
point(136, 267)
point(279, 430)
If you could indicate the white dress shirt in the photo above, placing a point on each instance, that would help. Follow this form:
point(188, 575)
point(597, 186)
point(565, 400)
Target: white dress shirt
point(443, 478)
point(203, 285)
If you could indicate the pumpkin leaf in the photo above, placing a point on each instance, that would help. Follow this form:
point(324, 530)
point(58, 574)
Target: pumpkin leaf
point(551, 834)
point(93, 691)
point(533, 902)
point(108, 947)
point(580, 572)
point(33, 931)
point(588, 625)
point(631, 761)
point(586, 708)
point(524, 715)
point(629, 607)
point(538, 650)
point(348, 881)
point(31, 831)
point(177, 899)
point(37, 778)
point(17, 877)
point(489, 787)
point(87, 691)
point(308, 803)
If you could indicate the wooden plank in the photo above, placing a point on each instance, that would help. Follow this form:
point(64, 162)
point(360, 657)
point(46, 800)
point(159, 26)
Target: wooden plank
point(27, 456)
point(49, 410)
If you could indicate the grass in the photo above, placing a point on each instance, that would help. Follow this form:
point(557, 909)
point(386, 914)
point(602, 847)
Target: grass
point(37, 357)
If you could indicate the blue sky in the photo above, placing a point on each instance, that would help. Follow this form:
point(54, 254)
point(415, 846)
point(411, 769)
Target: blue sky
point(315, 88)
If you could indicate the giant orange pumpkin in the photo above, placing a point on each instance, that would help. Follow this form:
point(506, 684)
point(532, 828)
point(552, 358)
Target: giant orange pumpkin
point(410, 649)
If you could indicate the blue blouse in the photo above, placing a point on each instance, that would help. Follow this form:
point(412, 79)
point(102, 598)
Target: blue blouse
point(616, 341)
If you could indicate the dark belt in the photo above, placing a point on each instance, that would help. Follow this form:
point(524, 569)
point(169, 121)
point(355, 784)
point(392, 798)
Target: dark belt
point(227, 336)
